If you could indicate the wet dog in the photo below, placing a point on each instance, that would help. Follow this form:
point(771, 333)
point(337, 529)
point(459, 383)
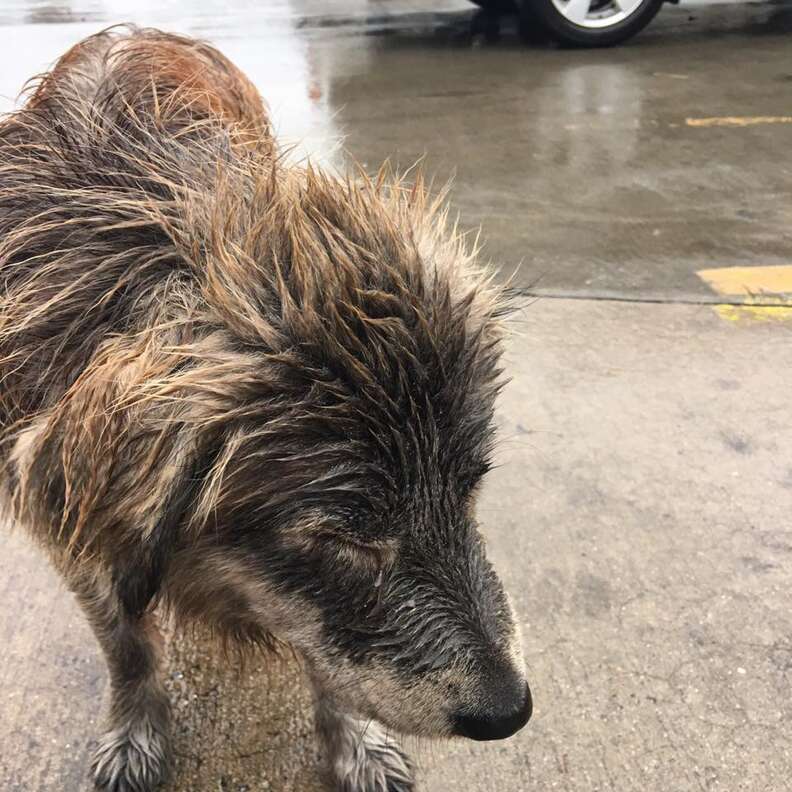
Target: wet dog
point(254, 394)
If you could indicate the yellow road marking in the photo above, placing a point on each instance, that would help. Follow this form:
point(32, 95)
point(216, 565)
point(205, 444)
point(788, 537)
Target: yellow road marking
point(748, 314)
point(751, 281)
point(737, 121)
point(770, 284)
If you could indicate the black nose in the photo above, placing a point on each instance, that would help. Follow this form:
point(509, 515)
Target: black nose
point(495, 722)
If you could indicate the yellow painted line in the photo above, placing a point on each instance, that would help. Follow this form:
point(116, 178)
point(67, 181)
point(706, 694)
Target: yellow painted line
point(751, 281)
point(750, 314)
point(737, 121)
point(770, 284)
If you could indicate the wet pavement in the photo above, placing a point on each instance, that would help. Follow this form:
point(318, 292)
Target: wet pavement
point(640, 513)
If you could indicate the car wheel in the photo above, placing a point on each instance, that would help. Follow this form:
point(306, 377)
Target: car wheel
point(589, 23)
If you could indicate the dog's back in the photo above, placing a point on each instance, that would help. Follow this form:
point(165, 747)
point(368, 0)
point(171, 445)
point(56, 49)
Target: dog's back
point(115, 175)
point(158, 77)
point(87, 168)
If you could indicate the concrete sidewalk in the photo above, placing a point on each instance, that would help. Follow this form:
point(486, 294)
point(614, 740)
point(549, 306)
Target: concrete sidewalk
point(640, 518)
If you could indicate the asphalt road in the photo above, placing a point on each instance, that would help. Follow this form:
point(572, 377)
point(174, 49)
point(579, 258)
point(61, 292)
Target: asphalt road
point(640, 511)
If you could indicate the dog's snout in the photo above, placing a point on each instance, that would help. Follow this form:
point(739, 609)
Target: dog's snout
point(506, 715)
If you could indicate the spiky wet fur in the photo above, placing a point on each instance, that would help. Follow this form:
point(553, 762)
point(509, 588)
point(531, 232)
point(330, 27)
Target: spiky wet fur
point(246, 390)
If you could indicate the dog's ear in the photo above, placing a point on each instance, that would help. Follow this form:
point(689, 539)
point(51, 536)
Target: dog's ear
point(138, 572)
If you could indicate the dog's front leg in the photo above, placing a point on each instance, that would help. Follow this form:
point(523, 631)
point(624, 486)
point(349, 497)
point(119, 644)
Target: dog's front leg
point(134, 753)
point(361, 755)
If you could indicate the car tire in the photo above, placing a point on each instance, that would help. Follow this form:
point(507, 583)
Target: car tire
point(588, 23)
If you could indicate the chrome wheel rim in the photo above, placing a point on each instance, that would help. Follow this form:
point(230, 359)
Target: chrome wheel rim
point(596, 13)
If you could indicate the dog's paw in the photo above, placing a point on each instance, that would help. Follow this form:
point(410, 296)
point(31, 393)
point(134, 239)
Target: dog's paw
point(133, 758)
point(373, 762)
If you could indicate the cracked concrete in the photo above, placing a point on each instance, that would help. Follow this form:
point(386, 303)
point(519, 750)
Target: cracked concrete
point(640, 511)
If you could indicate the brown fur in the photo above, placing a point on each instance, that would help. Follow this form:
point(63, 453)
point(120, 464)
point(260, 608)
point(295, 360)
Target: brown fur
point(195, 337)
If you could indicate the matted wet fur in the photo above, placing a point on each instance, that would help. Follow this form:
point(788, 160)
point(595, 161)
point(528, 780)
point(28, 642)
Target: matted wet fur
point(254, 393)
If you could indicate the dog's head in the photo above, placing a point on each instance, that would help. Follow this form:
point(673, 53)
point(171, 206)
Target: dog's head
point(342, 506)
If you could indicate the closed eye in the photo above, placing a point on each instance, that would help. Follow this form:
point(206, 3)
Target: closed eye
point(376, 554)
point(351, 538)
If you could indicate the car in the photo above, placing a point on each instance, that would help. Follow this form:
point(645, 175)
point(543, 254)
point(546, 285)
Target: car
point(581, 23)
